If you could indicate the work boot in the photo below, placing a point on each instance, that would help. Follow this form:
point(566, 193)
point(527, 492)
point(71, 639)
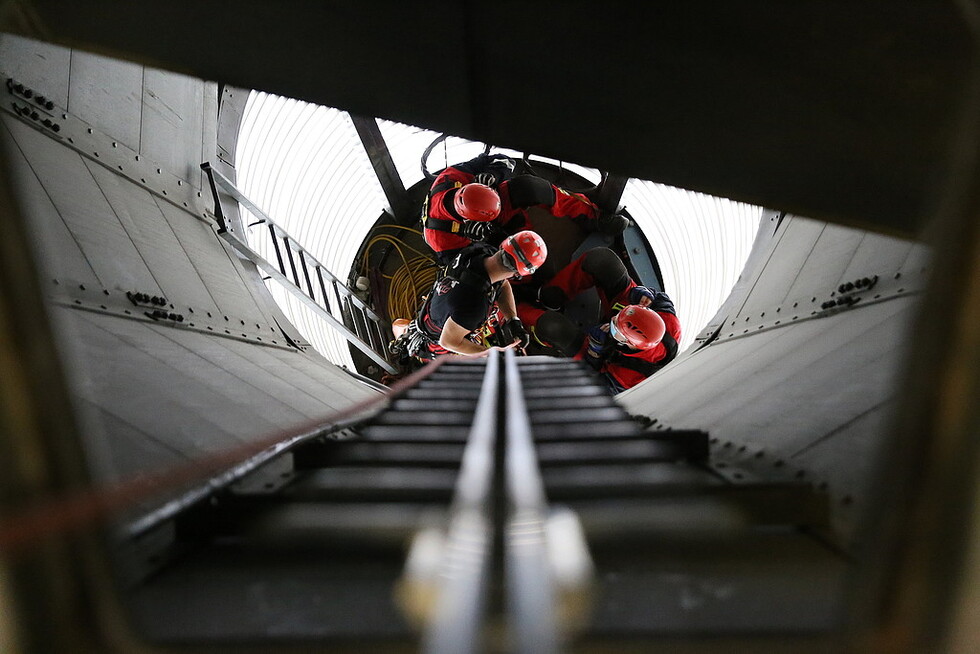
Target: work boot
point(552, 298)
point(611, 223)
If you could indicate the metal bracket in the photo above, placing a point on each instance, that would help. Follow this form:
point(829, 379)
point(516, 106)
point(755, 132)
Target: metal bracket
point(864, 291)
point(135, 305)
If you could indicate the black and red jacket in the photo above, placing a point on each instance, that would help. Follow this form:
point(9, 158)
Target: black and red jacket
point(441, 224)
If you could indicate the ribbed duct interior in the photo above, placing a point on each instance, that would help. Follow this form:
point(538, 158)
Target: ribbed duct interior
point(305, 166)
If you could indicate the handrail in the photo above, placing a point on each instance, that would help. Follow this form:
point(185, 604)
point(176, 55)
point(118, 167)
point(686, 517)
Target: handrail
point(85, 508)
point(294, 285)
point(530, 585)
point(233, 191)
point(466, 558)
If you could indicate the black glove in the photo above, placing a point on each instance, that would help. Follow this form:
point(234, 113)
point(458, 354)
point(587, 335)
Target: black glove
point(637, 293)
point(500, 168)
point(476, 230)
point(600, 346)
point(659, 301)
point(485, 178)
point(514, 330)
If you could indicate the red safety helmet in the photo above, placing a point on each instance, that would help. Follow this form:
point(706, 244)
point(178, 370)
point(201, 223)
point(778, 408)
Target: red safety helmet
point(639, 327)
point(525, 252)
point(477, 202)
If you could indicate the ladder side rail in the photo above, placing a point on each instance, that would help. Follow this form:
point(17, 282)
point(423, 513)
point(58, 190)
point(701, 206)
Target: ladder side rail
point(270, 269)
point(457, 622)
point(232, 190)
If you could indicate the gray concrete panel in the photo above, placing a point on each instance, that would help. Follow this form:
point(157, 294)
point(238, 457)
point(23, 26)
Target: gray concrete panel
point(107, 93)
point(40, 66)
point(172, 129)
point(83, 207)
point(59, 254)
point(215, 263)
point(152, 234)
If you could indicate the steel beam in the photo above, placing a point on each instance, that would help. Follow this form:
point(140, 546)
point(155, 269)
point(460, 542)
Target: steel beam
point(384, 167)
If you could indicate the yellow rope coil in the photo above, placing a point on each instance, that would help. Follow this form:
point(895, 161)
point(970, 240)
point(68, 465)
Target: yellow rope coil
point(408, 284)
point(411, 280)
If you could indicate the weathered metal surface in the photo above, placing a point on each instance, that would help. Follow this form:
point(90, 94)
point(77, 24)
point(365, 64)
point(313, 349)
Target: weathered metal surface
point(93, 143)
point(38, 65)
point(226, 277)
point(173, 120)
point(107, 93)
point(81, 204)
point(57, 248)
point(141, 217)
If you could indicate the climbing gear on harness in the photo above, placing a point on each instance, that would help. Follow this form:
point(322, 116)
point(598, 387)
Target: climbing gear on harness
point(422, 336)
point(524, 253)
point(412, 342)
point(477, 202)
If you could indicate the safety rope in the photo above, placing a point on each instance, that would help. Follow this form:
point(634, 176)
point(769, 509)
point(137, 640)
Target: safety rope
point(64, 515)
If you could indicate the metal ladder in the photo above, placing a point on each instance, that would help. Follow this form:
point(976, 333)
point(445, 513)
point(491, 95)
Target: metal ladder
point(506, 504)
point(306, 278)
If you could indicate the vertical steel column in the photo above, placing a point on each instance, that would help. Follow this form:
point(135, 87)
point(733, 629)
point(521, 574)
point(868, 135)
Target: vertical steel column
point(456, 625)
point(531, 592)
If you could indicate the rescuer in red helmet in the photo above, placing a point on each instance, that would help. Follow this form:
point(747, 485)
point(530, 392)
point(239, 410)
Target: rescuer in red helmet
point(481, 200)
point(474, 291)
point(638, 332)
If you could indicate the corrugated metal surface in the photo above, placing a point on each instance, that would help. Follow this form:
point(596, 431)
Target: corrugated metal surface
point(701, 243)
